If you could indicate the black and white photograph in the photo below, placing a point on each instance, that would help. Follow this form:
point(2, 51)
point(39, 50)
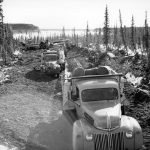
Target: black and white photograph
point(74, 75)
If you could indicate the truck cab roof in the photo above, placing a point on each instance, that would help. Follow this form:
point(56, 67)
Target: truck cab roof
point(50, 52)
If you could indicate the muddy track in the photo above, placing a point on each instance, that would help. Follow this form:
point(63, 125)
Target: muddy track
point(30, 99)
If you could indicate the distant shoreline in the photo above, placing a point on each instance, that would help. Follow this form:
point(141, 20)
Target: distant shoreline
point(65, 29)
point(60, 30)
point(30, 30)
point(57, 30)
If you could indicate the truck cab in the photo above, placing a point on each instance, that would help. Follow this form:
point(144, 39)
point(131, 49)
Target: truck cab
point(59, 50)
point(100, 124)
point(99, 98)
point(49, 63)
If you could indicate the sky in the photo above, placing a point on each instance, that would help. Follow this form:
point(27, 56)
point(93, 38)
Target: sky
point(56, 14)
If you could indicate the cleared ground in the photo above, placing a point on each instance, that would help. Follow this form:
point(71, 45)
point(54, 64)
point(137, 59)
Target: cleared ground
point(31, 99)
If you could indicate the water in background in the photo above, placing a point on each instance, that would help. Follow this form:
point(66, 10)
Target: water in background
point(49, 33)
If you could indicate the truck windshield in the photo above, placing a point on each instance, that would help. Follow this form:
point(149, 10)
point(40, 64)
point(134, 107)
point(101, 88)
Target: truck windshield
point(99, 94)
point(50, 58)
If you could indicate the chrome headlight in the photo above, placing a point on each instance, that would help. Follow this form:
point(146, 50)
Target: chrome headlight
point(129, 134)
point(89, 137)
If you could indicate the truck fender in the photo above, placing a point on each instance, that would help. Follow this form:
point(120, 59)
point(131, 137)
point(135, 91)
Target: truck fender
point(77, 139)
point(138, 133)
point(129, 123)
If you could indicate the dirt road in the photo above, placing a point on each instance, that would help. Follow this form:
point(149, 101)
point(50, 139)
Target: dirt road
point(29, 105)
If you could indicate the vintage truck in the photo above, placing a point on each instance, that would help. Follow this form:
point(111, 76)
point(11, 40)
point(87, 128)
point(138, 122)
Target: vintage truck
point(49, 63)
point(61, 56)
point(96, 98)
point(59, 50)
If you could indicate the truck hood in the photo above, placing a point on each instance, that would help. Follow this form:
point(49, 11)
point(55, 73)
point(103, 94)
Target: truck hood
point(106, 116)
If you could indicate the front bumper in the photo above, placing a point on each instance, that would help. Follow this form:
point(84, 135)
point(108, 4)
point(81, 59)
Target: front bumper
point(51, 70)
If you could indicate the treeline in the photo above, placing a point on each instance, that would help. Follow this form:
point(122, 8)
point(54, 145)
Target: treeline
point(6, 40)
point(6, 43)
point(118, 37)
point(23, 27)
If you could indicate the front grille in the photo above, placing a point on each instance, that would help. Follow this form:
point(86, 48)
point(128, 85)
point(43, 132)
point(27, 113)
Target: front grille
point(109, 141)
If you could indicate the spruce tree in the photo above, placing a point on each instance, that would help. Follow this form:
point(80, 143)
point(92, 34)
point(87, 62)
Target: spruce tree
point(63, 33)
point(2, 36)
point(98, 39)
point(115, 40)
point(87, 35)
point(74, 36)
point(77, 40)
point(146, 34)
point(106, 29)
point(132, 35)
point(8, 41)
point(146, 39)
point(122, 31)
point(139, 42)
